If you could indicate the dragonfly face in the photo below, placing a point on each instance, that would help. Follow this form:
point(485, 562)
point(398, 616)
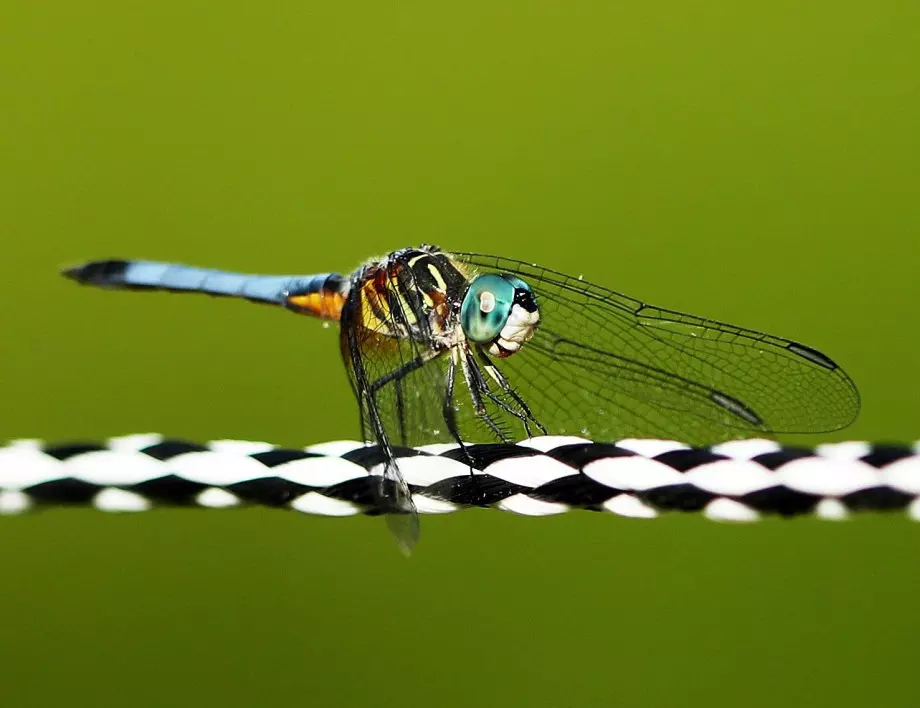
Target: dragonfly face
point(500, 312)
point(434, 344)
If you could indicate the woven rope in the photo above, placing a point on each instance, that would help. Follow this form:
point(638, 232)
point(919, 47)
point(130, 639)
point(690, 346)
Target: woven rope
point(737, 481)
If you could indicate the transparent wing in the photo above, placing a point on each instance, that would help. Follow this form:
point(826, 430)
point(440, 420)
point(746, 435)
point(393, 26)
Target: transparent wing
point(401, 387)
point(400, 381)
point(608, 366)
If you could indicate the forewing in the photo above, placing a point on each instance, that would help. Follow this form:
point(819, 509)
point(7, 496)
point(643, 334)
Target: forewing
point(608, 366)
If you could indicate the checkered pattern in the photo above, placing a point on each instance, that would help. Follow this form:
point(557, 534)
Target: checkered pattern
point(737, 481)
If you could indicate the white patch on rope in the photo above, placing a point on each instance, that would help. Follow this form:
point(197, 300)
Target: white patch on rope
point(428, 505)
point(216, 469)
point(423, 471)
point(903, 475)
point(315, 503)
point(637, 473)
point(545, 443)
point(134, 443)
point(530, 471)
point(317, 471)
point(240, 447)
point(216, 498)
point(24, 466)
point(628, 505)
point(438, 448)
point(649, 447)
point(14, 502)
point(913, 511)
point(831, 510)
point(120, 500)
point(26, 444)
point(819, 476)
point(107, 468)
point(729, 510)
point(849, 451)
point(527, 506)
point(731, 478)
point(746, 449)
point(335, 448)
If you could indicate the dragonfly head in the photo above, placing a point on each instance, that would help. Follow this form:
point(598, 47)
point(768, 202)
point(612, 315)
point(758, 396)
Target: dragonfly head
point(499, 311)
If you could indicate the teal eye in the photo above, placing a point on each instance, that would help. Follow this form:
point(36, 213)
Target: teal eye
point(486, 307)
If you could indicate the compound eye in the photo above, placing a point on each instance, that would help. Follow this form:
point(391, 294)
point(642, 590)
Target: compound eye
point(486, 307)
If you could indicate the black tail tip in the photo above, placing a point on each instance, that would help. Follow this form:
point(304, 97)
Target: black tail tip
point(97, 272)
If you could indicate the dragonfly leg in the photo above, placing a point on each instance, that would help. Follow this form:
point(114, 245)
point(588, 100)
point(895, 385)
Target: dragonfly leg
point(509, 410)
point(448, 412)
point(477, 386)
point(524, 413)
point(400, 411)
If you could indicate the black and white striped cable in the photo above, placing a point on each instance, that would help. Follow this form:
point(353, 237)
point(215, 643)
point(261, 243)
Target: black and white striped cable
point(736, 481)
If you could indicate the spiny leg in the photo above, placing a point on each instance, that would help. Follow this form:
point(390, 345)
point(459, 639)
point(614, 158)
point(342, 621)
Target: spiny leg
point(476, 385)
point(525, 414)
point(520, 415)
point(486, 391)
point(400, 410)
point(448, 412)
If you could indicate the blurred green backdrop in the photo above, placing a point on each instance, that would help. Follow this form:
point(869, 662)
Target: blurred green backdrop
point(755, 162)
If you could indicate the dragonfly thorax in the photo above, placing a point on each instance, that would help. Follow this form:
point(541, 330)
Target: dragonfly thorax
point(499, 312)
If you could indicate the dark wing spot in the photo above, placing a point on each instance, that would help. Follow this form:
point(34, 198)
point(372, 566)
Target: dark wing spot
point(812, 355)
point(733, 405)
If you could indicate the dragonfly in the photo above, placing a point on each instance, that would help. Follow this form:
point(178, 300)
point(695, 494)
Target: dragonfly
point(464, 347)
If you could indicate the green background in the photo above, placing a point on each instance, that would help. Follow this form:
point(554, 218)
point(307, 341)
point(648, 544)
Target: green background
point(755, 162)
